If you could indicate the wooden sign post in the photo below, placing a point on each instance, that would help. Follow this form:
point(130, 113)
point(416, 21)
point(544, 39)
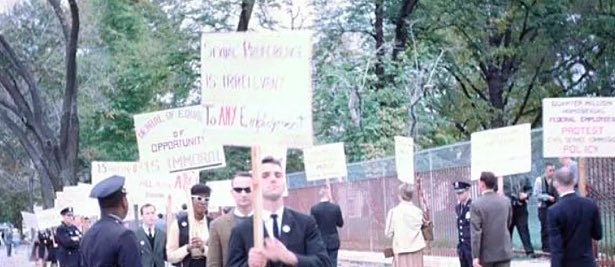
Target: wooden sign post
point(257, 202)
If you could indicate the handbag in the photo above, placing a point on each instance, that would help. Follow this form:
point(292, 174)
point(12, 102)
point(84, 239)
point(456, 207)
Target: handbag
point(388, 252)
point(427, 229)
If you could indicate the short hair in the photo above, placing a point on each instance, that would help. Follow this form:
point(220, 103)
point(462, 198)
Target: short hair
point(112, 201)
point(406, 191)
point(564, 176)
point(322, 192)
point(159, 215)
point(147, 205)
point(271, 160)
point(489, 179)
point(200, 189)
point(240, 174)
point(549, 164)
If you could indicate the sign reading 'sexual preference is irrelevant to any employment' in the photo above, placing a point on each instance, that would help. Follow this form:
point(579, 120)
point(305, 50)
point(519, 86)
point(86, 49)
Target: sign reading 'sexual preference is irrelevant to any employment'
point(578, 127)
point(256, 88)
point(175, 136)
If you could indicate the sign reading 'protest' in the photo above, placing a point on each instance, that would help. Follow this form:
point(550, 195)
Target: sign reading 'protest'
point(256, 88)
point(578, 127)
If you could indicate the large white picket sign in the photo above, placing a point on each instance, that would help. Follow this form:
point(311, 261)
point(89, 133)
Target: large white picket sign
point(503, 151)
point(404, 158)
point(578, 127)
point(29, 220)
point(256, 88)
point(175, 136)
point(48, 218)
point(325, 161)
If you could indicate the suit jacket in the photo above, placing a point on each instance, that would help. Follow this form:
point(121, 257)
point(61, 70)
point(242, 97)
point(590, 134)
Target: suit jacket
point(328, 217)
point(572, 223)
point(302, 238)
point(403, 224)
point(219, 235)
point(109, 243)
point(152, 257)
point(490, 216)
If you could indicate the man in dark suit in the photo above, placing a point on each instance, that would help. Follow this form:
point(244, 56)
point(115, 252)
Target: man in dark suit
point(490, 217)
point(328, 217)
point(108, 242)
point(291, 238)
point(572, 222)
point(68, 237)
point(152, 241)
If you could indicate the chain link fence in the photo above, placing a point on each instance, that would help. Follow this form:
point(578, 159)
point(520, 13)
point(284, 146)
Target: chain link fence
point(370, 190)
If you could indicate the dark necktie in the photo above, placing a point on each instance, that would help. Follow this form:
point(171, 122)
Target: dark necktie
point(151, 234)
point(276, 229)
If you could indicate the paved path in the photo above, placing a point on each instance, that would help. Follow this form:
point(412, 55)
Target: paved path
point(346, 259)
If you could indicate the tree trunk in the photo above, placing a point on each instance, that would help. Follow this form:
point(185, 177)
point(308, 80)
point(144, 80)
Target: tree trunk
point(379, 29)
point(246, 13)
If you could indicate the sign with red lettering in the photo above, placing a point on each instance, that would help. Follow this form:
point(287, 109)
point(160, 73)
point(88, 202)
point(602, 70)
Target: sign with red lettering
point(175, 136)
point(578, 127)
point(503, 151)
point(256, 88)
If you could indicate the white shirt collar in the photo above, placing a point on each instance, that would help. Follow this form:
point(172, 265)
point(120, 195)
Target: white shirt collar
point(566, 193)
point(146, 229)
point(238, 213)
point(267, 214)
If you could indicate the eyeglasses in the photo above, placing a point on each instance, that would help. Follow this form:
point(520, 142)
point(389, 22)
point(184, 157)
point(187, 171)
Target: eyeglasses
point(245, 189)
point(201, 198)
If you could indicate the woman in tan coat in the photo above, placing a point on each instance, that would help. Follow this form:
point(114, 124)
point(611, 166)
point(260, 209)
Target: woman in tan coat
point(403, 224)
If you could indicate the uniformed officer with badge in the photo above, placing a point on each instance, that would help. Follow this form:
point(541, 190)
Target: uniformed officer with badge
point(462, 209)
point(68, 237)
point(108, 242)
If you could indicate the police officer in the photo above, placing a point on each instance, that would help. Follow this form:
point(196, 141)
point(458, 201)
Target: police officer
point(462, 209)
point(108, 242)
point(68, 237)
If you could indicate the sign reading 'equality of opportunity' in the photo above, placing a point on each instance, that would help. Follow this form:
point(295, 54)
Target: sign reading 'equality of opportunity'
point(578, 127)
point(256, 88)
point(175, 136)
point(503, 151)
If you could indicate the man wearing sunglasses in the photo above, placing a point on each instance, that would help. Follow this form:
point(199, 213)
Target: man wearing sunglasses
point(183, 249)
point(68, 237)
point(220, 230)
point(291, 238)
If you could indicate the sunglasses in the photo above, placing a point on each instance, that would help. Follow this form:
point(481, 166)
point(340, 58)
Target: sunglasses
point(201, 199)
point(245, 189)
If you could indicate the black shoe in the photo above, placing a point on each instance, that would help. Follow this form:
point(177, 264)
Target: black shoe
point(532, 255)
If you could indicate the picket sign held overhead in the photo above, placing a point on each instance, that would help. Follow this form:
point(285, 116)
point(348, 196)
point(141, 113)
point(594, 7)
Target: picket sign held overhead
point(578, 127)
point(175, 137)
point(48, 218)
point(325, 161)
point(256, 88)
point(503, 151)
point(404, 159)
point(29, 220)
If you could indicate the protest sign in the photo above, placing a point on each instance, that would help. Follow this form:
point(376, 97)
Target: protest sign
point(325, 161)
point(404, 158)
point(256, 88)
point(175, 136)
point(503, 151)
point(578, 127)
point(29, 220)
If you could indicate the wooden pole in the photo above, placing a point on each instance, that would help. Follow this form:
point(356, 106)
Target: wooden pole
point(581, 182)
point(257, 226)
point(500, 185)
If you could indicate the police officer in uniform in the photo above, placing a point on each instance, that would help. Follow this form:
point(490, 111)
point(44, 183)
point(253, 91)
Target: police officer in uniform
point(462, 209)
point(108, 242)
point(68, 237)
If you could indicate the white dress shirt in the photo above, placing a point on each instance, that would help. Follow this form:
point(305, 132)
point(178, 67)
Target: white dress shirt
point(269, 221)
